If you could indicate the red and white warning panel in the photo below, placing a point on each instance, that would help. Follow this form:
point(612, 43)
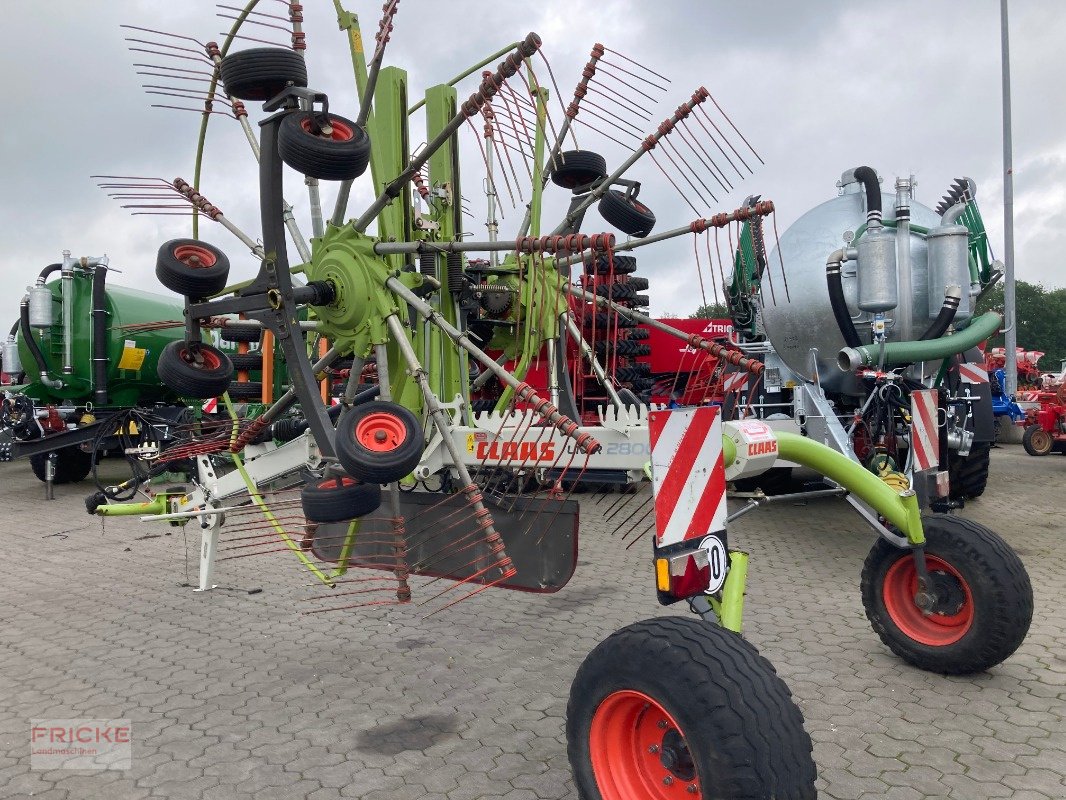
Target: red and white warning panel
point(973, 373)
point(688, 473)
point(925, 438)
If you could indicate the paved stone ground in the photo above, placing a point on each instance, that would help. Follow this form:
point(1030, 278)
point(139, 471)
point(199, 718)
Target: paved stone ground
point(237, 695)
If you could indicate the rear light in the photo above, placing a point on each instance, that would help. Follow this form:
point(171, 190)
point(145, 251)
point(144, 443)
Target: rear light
point(683, 574)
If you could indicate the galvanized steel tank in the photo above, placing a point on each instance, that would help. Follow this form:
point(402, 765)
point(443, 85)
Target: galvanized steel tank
point(803, 331)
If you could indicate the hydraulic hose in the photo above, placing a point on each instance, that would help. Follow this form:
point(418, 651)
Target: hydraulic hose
point(27, 335)
point(14, 329)
point(952, 298)
point(99, 317)
point(46, 272)
point(867, 176)
point(901, 353)
point(836, 300)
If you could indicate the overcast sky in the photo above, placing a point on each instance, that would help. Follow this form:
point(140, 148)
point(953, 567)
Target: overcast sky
point(816, 87)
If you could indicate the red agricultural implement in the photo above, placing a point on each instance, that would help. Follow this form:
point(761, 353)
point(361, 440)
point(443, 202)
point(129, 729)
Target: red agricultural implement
point(1045, 426)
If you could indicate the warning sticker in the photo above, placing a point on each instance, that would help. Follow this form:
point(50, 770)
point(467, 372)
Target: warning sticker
point(132, 356)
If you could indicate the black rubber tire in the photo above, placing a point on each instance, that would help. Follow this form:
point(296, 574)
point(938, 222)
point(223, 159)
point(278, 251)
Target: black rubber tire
point(240, 334)
point(969, 476)
point(607, 322)
point(338, 499)
point(1044, 443)
point(373, 466)
point(640, 301)
point(252, 360)
point(342, 157)
point(73, 465)
point(622, 265)
point(623, 347)
point(1002, 596)
point(630, 215)
point(190, 380)
point(245, 390)
point(637, 282)
point(578, 168)
point(722, 694)
point(191, 267)
point(616, 291)
point(259, 73)
point(639, 334)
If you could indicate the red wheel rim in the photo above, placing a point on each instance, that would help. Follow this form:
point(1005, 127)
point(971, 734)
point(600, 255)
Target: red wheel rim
point(638, 751)
point(210, 359)
point(331, 483)
point(194, 256)
point(380, 432)
point(341, 132)
point(938, 629)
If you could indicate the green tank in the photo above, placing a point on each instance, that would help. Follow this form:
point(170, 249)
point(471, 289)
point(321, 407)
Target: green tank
point(131, 355)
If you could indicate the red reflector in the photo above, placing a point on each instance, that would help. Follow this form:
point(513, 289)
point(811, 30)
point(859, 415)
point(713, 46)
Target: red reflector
point(690, 574)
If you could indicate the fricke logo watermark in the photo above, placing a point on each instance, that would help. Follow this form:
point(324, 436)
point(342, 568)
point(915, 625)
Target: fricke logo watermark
point(81, 744)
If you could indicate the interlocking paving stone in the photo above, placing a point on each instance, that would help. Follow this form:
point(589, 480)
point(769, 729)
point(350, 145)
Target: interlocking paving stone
point(236, 695)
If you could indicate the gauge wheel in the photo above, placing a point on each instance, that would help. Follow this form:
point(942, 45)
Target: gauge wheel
point(195, 370)
point(676, 707)
point(338, 499)
point(259, 73)
point(73, 465)
point(192, 268)
point(983, 605)
point(578, 168)
point(379, 442)
point(342, 154)
point(627, 214)
point(1037, 441)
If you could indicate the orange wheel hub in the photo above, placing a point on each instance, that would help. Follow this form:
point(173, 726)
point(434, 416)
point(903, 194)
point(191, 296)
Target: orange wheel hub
point(380, 432)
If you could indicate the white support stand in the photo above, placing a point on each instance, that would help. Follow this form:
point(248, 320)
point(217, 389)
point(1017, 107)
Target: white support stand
point(209, 524)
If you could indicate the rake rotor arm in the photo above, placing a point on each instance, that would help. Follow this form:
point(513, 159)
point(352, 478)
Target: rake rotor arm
point(585, 442)
point(594, 362)
point(488, 89)
point(715, 349)
point(646, 146)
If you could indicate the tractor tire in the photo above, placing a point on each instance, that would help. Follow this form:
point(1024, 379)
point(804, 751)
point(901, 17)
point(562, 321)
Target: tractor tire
point(379, 442)
point(73, 465)
point(578, 168)
point(245, 390)
point(969, 476)
point(178, 369)
point(618, 265)
point(639, 335)
point(192, 268)
point(338, 499)
point(641, 301)
point(676, 706)
point(629, 215)
point(616, 291)
point(241, 334)
point(342, 156)
point(1037, 441)
point(247, 361)
point(984, 598)
point(638, 283)
point(259, 73)
point(607, 322)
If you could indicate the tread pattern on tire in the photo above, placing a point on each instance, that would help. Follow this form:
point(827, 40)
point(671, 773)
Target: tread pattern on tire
point(259, 73)
point(724, 693)
point(992, 638)
point(969, 476)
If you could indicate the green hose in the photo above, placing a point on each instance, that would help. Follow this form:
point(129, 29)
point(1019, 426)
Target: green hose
point(900, 353)
point(901, 510)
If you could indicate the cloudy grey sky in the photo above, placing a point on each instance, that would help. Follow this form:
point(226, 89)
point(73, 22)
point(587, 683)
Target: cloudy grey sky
point(817, 87)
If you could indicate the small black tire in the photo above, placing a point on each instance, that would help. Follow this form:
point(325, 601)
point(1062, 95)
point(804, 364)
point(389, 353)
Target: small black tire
point(73, 465)
point(379, 442)
point(608, 322)
point(259, 73)
point(342, 156)
point(1037, 441)
point(251, 360)
point(616, 291)
point(706, 697)
point(629, 215)
point(577, 168)
point(338, 499)
point(191, 267)
point(241, 334)
point(617, 264)
point(639, 283)
point(639, 334)
point(245, 390)
point(984, 596)
point(207, 377)
point(640, 301)
point(968, 476)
